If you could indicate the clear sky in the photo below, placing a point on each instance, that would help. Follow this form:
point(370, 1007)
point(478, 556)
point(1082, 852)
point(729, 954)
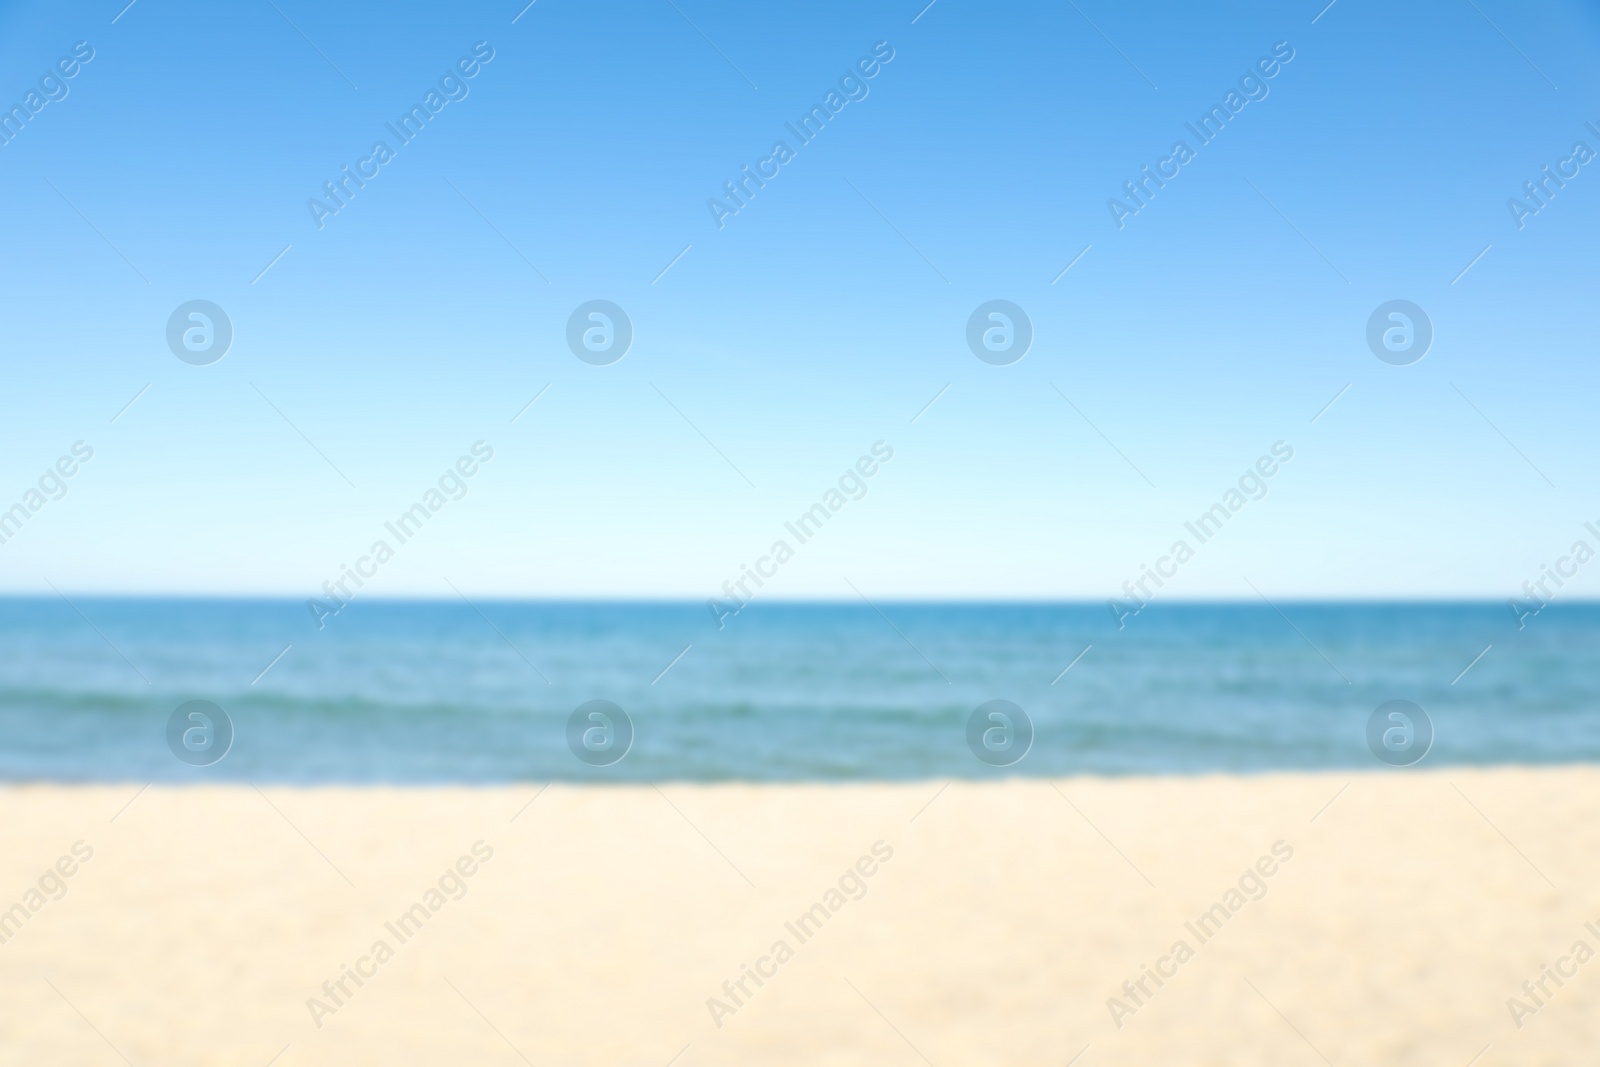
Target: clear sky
point(976, 164)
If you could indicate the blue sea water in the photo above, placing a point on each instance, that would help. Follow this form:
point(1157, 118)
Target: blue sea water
point(421, 692)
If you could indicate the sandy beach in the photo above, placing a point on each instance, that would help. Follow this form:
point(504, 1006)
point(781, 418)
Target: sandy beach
point(1382, 918)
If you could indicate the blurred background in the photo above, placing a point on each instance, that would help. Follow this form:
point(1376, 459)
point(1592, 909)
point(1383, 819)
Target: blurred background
point(1126, 447)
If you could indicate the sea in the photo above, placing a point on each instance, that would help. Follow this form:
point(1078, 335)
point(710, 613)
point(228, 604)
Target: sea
point(490, 691)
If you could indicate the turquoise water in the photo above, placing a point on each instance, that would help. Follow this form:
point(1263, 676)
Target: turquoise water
point(451, 692)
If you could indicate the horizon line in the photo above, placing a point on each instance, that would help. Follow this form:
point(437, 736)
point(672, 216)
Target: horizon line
point(425, 598)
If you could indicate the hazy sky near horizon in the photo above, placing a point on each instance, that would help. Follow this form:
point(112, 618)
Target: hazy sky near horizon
point(373, 348)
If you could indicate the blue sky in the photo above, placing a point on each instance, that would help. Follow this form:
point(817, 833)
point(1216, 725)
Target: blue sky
point(822, 318)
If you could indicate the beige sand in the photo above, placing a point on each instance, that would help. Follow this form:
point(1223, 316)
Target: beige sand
point(1414, 905)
